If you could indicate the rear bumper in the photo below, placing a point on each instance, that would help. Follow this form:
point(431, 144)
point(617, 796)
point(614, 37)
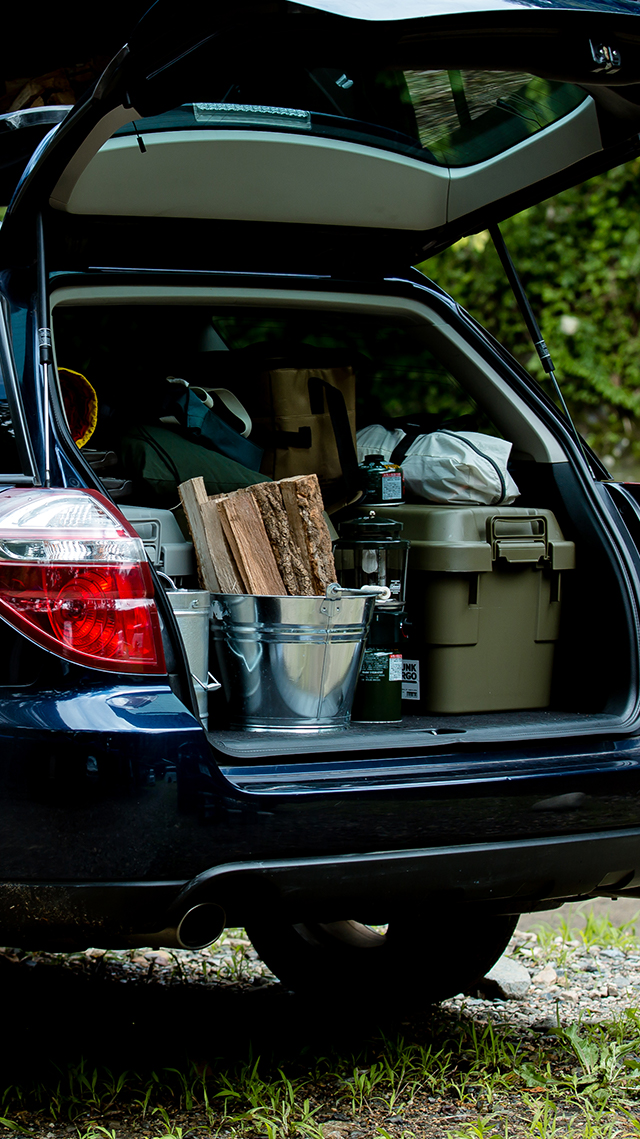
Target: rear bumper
point(509, 877)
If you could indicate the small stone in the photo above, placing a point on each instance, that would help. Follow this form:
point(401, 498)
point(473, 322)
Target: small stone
point(571, 995)
point(508, 979)
point(612, 953)
point(159, 956)
point(546, 1024)
point(612, 990)
point(619, 981)
point(546, 976)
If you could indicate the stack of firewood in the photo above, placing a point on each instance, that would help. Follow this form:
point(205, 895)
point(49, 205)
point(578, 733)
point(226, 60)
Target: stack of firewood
point(270, 538)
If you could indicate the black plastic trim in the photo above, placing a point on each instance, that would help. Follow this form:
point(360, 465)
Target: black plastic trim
point(29, 475)
point(508, 877)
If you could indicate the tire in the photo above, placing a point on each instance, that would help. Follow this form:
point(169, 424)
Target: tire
point(422, 960)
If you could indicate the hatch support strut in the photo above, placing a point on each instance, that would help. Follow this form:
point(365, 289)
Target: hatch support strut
point(533, 327)
point(44, 341)
point(529, 316)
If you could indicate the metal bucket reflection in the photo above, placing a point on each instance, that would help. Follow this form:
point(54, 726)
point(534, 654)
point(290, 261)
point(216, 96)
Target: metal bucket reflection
point(191, 607)
point(289, 663)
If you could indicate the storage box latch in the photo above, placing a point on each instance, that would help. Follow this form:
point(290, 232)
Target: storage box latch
point(518, 539)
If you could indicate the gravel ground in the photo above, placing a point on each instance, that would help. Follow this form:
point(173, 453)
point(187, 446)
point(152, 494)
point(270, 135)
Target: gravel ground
point(582, 984)
point(147, 1011)
point(568, 978)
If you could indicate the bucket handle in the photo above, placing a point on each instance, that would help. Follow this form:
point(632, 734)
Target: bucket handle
point(334, 592)
point(212, 685)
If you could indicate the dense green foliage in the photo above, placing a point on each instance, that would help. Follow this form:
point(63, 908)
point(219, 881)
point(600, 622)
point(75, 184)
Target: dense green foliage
point(579, 257)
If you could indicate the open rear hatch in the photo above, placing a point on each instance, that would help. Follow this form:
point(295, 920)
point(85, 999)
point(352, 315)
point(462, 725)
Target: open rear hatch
point(305, 137)
point(395, 135)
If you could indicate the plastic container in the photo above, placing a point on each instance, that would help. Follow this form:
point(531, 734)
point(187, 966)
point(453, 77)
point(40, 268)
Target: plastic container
point(165, 545)
point(484, 601)
point(289, 664)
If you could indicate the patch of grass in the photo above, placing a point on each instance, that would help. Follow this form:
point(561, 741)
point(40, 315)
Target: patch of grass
point(483, 1129)
point(592, 1069)
point(557, 945)
point(449, 1073)
point(600, 930)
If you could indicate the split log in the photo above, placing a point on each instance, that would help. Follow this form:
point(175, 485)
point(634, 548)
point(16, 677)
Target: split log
point(304, 506)
point(216, 567)
point(225, 567)
point(295, 574)
point(247, 537)
point(270, 539)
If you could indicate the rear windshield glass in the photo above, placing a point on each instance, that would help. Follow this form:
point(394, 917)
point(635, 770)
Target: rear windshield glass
point(447, 118)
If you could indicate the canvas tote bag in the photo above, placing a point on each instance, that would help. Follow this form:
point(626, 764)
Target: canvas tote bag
point(305, 418)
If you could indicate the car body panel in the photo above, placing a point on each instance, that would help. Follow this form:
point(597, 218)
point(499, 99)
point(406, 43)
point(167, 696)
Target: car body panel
point(122, 780)
point(117, 809)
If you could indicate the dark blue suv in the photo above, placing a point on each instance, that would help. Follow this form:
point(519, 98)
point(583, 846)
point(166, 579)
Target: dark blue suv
point(230, 184)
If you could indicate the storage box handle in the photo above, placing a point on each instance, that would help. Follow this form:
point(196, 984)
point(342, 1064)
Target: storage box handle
point(519, 546)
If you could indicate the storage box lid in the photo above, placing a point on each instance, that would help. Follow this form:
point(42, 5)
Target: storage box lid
point(471, 539)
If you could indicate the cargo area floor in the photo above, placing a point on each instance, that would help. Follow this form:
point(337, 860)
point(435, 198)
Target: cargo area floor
point(414, 732)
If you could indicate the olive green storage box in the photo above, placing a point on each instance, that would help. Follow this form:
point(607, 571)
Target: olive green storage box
point(484, 598)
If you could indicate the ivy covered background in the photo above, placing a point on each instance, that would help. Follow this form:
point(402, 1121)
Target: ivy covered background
point(579, 257)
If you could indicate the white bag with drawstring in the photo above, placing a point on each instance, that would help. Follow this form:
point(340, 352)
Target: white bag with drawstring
point(446, 467)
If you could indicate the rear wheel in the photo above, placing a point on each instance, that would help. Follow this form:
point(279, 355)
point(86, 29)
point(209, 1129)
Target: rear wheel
point(423, 959)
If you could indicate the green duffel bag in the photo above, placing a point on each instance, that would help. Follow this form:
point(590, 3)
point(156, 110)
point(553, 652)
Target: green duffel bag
point(158, 459)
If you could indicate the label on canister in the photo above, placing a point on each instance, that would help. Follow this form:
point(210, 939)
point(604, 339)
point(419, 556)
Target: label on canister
point(374, 666)
point(391, 483)
point(377, 700)
point(410, 679)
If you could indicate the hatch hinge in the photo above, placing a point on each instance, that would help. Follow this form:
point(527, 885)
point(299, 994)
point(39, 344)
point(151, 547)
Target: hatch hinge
point(605, 58)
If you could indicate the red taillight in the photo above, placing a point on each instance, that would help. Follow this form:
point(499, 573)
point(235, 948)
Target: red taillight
point(75, 579)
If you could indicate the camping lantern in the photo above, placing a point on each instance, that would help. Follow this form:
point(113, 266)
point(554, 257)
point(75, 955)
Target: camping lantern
point(370, 551)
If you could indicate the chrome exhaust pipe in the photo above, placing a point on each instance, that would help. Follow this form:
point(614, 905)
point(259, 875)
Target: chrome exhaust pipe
point(200, 926)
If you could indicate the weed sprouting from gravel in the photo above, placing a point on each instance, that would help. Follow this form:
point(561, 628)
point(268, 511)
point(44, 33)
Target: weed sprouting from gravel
point(207, 1044)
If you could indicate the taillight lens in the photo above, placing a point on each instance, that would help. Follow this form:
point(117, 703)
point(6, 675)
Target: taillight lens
point(74, 577)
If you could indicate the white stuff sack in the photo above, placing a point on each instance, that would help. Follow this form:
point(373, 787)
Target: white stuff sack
point(447, 467)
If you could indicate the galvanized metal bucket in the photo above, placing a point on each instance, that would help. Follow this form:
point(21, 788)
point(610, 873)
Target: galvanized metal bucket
point(290, 664)
point(191, 608)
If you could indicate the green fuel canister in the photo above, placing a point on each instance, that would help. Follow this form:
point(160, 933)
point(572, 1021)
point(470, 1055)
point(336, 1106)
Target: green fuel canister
point(378, 696)
point(382, 482)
